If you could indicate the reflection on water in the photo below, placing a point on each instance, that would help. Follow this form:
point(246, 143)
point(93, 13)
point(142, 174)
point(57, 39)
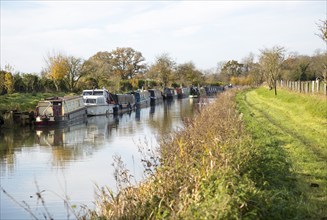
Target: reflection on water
point(69, 161)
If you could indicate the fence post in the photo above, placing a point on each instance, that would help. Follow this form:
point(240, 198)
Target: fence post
point(318, 85)
point(313, 87)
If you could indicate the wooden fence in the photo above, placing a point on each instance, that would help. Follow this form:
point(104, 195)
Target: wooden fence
point(314, 87)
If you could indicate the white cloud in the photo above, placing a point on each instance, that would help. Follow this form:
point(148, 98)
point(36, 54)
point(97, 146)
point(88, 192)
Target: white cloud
point(202, 31)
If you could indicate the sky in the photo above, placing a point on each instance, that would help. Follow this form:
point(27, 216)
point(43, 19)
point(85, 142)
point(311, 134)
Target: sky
point(203, 32)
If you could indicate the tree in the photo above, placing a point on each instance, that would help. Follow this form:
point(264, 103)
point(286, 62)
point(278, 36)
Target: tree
point(74, 72)
point(2, 82)
point(187, 74)
point(57, 68)
point(232, 68)
point(65, 70)
point(162, 70)
point(126, 62)
point(9, 83)
point(270, 62)
point(97, 70)
point(322, 27)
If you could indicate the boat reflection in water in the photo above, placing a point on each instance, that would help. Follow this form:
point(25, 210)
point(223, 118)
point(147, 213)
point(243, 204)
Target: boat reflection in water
point(76, 142)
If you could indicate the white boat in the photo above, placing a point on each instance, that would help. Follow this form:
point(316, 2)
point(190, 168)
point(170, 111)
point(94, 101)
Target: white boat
point(60, 111)
point(98, 102)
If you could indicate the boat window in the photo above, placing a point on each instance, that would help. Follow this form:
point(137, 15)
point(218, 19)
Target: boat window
point(90, 101)
point(98, 93)
point(87, 93)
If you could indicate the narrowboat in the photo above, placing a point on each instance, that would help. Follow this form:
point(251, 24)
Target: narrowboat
point(183, 92)
point(142, 98)
point(168, 93)
point(155, 96)
point(60, 111)
point(123, 103)
point(194, 92)
point(98, 102)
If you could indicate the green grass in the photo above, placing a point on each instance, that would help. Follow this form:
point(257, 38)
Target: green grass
point(23, 101)
point(291, 130)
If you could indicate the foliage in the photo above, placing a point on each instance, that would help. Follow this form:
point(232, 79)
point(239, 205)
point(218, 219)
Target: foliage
point(162, 70)
point(127, 63)
point(9, 83)
point(57, 68)
point(187, 74)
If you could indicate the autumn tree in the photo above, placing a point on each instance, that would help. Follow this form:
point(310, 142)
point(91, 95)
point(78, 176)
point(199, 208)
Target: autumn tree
point(64, 69)
point(57, 68)
point(127, 62)
point(270, 63)
point(162, 70)
point(98, 70)
point(2, 82)
point(9, 82)
point(187, 74)
point(231, 68)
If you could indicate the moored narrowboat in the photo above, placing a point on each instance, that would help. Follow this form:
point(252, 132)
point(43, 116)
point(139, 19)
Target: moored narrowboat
point(183, 92)
point(155, 96)
point(60, 111)
point(123, 103)
point(168, 93)
point(142, 98)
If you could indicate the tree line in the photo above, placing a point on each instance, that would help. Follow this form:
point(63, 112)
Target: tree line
point(124, 69)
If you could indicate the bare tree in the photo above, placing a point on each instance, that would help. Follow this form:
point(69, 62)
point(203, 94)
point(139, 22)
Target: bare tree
point(270, 62)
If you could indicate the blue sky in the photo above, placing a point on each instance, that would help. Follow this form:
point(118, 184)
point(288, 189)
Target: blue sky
point(205, 32)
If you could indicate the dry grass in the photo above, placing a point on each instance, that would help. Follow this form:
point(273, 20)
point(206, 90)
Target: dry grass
point(199, 174)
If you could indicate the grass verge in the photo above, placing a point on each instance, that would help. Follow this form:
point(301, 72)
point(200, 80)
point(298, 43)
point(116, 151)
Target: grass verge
point(290, 131)
point(23, 101)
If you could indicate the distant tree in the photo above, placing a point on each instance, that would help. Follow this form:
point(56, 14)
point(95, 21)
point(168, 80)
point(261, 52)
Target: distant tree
point(98, 70)
point(19, 85)
point(2, 82)
point(57, 68)
point(74, 72)
point(31, 82)
point(270, 62)
point(9, 83)
point(126, 62)
point(64, 70)
point(162, 70)
point(187, 74)
point(322, 27)
point(319, 66)
point(231, 68)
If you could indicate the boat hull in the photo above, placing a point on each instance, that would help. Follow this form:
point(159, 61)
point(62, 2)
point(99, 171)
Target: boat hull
point(75, 117)
point(94, 110)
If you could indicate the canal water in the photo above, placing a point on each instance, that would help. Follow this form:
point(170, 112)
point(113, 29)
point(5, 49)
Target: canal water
point(68, 164)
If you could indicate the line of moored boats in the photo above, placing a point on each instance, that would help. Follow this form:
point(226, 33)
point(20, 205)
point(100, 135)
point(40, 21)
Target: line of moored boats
point(93, 102)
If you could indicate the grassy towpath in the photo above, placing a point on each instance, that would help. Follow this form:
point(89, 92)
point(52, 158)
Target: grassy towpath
point(291, 132)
